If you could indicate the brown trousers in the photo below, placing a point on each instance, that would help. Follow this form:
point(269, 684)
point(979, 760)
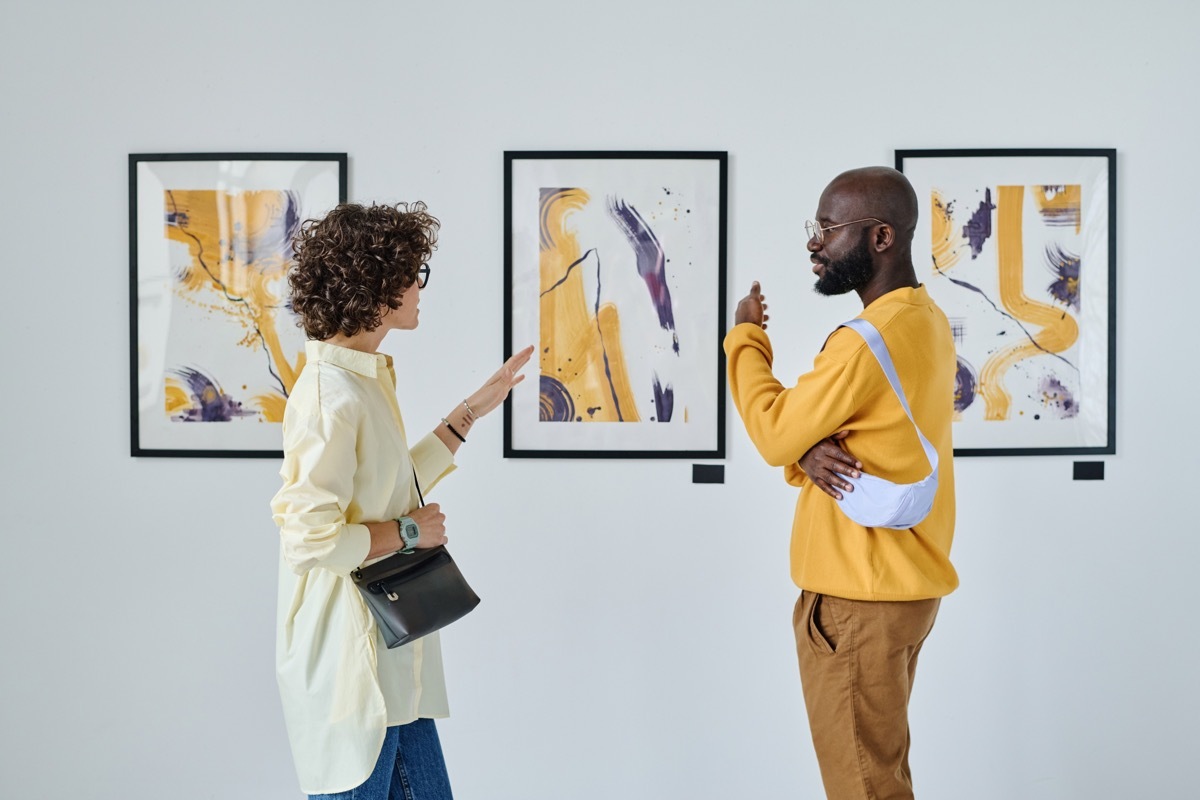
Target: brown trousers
point(857, 663)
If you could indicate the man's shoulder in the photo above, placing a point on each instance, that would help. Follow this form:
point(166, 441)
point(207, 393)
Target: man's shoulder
point(843, 345)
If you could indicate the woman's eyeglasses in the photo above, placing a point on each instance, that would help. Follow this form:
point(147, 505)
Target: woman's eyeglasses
point(422, 276)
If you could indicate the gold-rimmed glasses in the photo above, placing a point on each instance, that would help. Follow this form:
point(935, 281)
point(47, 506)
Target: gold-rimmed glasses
point(815, 230)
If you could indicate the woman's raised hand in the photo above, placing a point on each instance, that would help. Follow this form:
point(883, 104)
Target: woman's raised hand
point(492, 393)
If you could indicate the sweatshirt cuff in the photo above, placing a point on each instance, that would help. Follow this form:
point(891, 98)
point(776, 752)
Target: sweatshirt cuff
point(747, 334)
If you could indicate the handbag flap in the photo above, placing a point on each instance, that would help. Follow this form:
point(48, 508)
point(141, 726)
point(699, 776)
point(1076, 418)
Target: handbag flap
point(396, 564)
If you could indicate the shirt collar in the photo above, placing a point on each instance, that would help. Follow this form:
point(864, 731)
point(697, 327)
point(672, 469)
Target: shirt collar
point(918, 296)
point(366, 364)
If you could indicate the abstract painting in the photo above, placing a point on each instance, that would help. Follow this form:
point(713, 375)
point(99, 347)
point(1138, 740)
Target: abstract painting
point(615, 271)
point(215, 348)
point(1018, 247)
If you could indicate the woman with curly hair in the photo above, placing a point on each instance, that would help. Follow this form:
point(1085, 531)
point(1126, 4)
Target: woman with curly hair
point(360, 716)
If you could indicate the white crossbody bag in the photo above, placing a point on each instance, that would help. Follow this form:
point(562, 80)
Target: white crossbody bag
point(879, 503)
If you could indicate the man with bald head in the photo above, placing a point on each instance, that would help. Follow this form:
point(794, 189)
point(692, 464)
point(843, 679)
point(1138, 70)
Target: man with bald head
point(869, 595)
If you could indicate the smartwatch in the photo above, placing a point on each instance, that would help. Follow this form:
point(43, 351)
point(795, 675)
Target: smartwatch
point(410, 532)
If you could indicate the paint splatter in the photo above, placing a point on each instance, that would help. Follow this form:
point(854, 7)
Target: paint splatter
point(554, 401)
point(1057, 398)
point(965, 383)
point(979, 228)
point(664, 400)
point(207, 401)
point(1065, 266)
point(651, 262)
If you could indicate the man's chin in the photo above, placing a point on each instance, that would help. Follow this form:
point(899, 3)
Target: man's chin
point(829, 289)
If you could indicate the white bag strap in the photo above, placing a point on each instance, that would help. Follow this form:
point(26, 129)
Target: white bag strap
point(874, 340)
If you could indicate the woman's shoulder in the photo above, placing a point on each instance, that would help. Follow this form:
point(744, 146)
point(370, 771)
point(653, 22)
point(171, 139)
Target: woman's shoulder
point(324, 390)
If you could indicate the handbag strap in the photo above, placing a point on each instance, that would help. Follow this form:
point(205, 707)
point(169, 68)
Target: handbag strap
point(874, 340)
point(420, 496)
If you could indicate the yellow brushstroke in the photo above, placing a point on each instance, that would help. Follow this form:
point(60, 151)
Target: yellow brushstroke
point(946, 245)
point(176, 398)
point(610, 330)
point(219, 276)
point(1058, 329)
point(1061, 199)
point(271, 405)
point(573, 340)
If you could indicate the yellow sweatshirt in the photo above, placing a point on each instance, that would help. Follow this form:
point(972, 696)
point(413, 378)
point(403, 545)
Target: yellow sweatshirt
point(847, 390)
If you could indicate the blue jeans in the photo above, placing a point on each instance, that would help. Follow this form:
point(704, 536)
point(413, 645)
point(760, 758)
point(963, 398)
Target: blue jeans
point(410, 767)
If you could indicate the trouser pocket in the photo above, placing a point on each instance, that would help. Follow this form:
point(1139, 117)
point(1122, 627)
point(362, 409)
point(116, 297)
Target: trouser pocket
point(820, 627)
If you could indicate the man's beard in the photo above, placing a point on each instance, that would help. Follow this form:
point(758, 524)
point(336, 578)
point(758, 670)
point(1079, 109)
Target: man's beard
point(849, 273)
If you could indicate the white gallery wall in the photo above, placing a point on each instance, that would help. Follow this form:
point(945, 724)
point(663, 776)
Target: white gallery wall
point(634, 639)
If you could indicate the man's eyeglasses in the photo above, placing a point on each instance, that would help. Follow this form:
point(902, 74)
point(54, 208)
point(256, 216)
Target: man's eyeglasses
point(422, 276)
point(815, 231)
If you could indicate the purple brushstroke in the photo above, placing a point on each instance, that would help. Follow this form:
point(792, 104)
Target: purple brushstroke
point(979, 228)
point(1066, 217)
point(965, 384)
point(1065, 265)
point(567, 274)
point(664, 400)
point(612, 389)
point(1002, 312)
point(546, 198)
point(554, 401)
point(1058, 398)
point(651, 263)
point(209, 401)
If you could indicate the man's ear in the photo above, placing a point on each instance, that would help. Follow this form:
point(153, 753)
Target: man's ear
point(885, 237)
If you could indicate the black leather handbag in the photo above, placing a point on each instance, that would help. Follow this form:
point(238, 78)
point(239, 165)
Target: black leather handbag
point(412, 595)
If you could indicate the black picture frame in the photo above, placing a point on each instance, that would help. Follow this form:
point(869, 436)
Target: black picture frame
point(309, 184)
point(1092, 172)
point(605, 166)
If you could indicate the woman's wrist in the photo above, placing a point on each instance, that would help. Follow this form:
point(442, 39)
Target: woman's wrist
point(462, 418)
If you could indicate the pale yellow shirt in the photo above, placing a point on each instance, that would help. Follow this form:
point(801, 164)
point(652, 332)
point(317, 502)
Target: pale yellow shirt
point(346, 461)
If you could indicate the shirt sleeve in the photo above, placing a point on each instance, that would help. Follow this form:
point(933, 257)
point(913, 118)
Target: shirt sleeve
point(785, 423)
point(432, 459)
point(319, 462)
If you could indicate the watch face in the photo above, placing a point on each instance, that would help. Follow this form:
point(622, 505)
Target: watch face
point(411, 531)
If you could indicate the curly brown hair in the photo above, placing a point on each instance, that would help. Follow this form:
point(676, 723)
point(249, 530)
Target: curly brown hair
point(355, 260)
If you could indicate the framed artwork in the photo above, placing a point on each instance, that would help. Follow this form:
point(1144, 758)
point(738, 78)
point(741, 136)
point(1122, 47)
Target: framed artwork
point(614, 268)
point(1018, 247)
point(214, 345)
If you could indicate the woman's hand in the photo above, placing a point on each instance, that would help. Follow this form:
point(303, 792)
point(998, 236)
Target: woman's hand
point(432, 523)
point(492, 393)
point(826, 463)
